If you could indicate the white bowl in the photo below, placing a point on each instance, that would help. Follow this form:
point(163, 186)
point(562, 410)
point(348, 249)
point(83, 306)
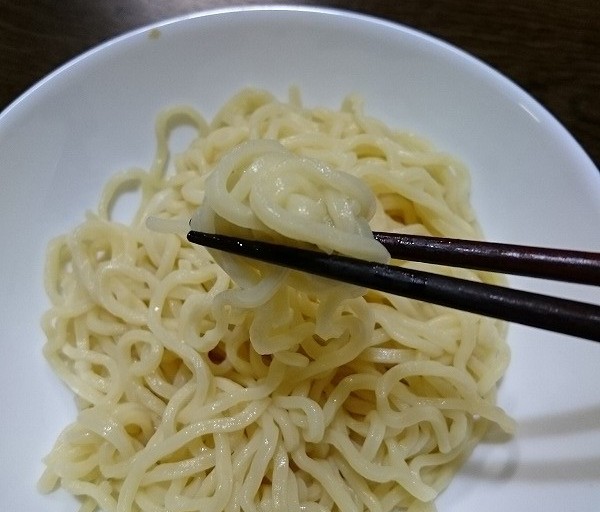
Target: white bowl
point(532, 184)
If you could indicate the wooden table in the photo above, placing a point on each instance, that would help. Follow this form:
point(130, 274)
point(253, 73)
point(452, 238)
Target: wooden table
point(551, 48)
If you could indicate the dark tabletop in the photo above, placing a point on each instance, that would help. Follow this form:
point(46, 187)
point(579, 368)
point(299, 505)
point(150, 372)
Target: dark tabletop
point(551, 48)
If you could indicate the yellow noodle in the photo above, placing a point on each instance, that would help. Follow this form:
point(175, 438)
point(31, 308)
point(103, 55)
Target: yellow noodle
point(209, 382)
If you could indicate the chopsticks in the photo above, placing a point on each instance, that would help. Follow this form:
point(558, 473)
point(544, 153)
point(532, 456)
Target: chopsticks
point(535, 310)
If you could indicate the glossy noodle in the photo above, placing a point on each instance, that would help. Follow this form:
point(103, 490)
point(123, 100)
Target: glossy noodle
point(207, 382)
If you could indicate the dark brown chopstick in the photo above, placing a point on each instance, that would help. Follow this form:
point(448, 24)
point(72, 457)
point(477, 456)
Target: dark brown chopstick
point(558, 264)
point(527, 308)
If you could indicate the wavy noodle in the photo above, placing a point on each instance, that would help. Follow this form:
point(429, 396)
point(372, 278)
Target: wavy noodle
point(208, 382)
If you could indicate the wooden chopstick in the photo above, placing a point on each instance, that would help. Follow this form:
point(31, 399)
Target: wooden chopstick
point(527, 308)
point(558, 264)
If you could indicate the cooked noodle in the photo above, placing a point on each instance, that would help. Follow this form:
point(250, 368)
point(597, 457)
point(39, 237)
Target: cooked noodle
point(206, 382)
